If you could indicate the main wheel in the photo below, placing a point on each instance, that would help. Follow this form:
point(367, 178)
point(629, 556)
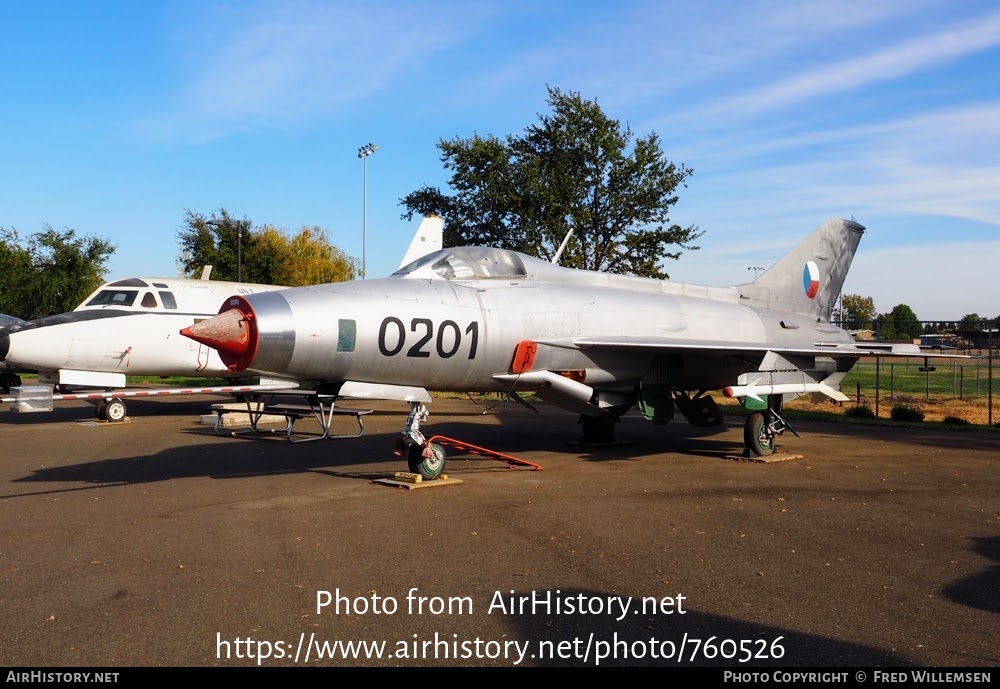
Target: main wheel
point(115, 410)
point(429, 468)
point(102, 410)
point(757, 437)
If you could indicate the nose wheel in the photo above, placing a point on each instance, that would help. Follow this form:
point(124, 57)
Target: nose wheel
point(428, 460)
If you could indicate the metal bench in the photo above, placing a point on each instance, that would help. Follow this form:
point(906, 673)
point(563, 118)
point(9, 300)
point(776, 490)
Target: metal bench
point(320, 407)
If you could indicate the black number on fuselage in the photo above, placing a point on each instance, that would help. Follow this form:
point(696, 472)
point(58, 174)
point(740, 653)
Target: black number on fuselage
point(417, 349)
point(400, 337)
point(473, 330)
point(446, 344)
point(453, 326)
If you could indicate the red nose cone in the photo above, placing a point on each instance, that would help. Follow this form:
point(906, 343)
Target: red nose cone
point(229, 332)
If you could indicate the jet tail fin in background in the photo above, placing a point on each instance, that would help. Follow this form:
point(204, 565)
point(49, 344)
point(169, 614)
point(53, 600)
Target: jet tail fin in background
point(809, 278)
point(427, 239)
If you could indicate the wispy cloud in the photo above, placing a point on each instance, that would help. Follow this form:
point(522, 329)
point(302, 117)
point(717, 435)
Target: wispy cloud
point(973, 129)
point(942, 163)
point(906, 58)
point(274, 65)
point(642, 52)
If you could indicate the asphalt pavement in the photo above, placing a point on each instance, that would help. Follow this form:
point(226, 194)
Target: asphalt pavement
point(156, 542)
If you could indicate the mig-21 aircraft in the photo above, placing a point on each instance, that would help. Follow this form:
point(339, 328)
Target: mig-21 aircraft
point(476, 319)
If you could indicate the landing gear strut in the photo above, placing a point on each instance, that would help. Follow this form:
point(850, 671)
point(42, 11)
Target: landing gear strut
point(426, 459)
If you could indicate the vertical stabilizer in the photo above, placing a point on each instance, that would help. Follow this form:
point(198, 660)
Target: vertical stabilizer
point(428, 239)
point(809, 278)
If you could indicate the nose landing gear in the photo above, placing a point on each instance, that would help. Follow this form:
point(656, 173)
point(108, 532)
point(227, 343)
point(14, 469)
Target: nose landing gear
point(426, 459)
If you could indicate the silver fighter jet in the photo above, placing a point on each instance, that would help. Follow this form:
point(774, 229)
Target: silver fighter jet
point(486, 319)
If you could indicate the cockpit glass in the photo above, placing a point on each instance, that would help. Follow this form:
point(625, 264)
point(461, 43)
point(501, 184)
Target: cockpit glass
point(168, 300)
point(470, 263)
point(114, 297)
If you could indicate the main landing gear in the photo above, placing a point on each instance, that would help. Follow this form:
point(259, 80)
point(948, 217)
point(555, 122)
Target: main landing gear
point(763, 427)
point(598, 429)
point(601, 429)
point(112, 410)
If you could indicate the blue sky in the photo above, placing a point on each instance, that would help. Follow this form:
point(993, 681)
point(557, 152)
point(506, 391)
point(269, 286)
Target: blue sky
point(117, 117)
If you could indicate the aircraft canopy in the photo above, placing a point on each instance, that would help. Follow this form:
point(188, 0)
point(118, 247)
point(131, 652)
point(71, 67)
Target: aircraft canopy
point(468, 263)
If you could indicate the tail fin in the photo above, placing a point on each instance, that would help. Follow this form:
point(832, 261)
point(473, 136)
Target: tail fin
point(427, 239)
point(809, 278)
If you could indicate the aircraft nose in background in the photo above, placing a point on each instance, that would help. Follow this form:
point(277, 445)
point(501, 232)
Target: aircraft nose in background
point(228, 332)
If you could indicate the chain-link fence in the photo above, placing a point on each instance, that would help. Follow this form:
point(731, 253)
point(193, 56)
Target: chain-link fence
point(943, 388)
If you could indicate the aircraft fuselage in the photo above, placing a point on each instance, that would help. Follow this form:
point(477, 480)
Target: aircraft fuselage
point(128, 327)
point(135, 344)
point(460, 334)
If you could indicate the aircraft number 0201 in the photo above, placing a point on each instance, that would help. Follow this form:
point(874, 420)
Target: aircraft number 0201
point(447, 337)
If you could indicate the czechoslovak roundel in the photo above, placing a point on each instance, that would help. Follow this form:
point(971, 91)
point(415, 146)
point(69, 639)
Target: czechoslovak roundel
point(810, 279)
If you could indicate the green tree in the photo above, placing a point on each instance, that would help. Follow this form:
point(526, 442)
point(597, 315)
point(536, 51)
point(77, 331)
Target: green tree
point(268, 254)
point(576, 170)
point(859, 312)
point(313, 260)
point(215, 241)
point(51, 272)
point(885, 327)
point(15, 266)
point(971, 325)
point(900, 324)
point(270, 258)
